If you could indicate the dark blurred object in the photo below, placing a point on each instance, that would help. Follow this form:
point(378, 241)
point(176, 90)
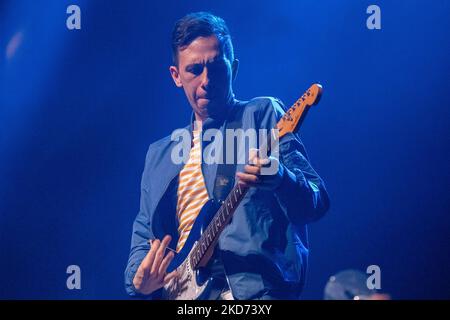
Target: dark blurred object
point(351, 285)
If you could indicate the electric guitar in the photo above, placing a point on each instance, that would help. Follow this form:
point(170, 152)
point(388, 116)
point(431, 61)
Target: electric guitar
point(194, 282)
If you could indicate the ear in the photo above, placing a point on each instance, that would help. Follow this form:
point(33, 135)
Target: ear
point(175, 76)
point(234, 68)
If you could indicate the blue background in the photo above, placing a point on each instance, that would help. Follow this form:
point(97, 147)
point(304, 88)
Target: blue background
point(79, 108)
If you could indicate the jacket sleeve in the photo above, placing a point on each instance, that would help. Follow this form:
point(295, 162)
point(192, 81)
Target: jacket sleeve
point(140, 236)
point(302, 194)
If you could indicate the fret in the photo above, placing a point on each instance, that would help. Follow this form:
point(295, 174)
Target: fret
point(218, 216)
point(218, 224)
point(213, 229)
point(213, 226)
point(210, 235)
point(223, 216)
point(204, 247)
point(207, 238)
point(235, 198)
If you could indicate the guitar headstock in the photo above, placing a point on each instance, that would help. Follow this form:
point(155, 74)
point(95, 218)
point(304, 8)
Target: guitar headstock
point(290, 120)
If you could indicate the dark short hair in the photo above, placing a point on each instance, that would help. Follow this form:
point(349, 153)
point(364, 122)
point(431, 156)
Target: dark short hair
point(200, 24)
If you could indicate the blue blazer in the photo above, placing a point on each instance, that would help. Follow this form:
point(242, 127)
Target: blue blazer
point(264, 250)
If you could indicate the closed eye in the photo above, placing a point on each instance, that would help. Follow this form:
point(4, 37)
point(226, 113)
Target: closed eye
point(195, 69)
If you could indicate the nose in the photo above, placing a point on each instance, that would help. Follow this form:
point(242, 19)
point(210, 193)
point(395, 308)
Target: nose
point(205, 79)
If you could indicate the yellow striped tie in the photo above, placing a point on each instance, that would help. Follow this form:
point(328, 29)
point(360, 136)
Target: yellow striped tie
point(192, 194)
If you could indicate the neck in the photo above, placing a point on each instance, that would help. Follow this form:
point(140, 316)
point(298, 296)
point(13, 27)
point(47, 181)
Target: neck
point(197, 125)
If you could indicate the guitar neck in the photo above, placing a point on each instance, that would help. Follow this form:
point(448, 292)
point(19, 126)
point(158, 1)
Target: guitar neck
point(204, 248)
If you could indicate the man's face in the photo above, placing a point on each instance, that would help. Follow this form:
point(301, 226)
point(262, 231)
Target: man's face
point(206, 75)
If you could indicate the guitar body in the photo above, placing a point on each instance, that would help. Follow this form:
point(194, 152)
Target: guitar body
point(193, 284)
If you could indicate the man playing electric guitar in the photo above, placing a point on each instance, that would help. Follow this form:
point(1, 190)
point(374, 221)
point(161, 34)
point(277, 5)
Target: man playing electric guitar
point(262, 250)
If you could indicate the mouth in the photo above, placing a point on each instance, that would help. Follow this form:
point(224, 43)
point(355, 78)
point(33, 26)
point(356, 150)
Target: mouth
point(206, 97)
point(205, 100)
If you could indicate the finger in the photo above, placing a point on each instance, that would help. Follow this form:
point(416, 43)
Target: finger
point(248, 178)
point(252, 169)
point(170, 276)
point(165, 263)
point(160, 254)
point(262, 162)
point(138, 277)
point(148, 260)
point(252, 154)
